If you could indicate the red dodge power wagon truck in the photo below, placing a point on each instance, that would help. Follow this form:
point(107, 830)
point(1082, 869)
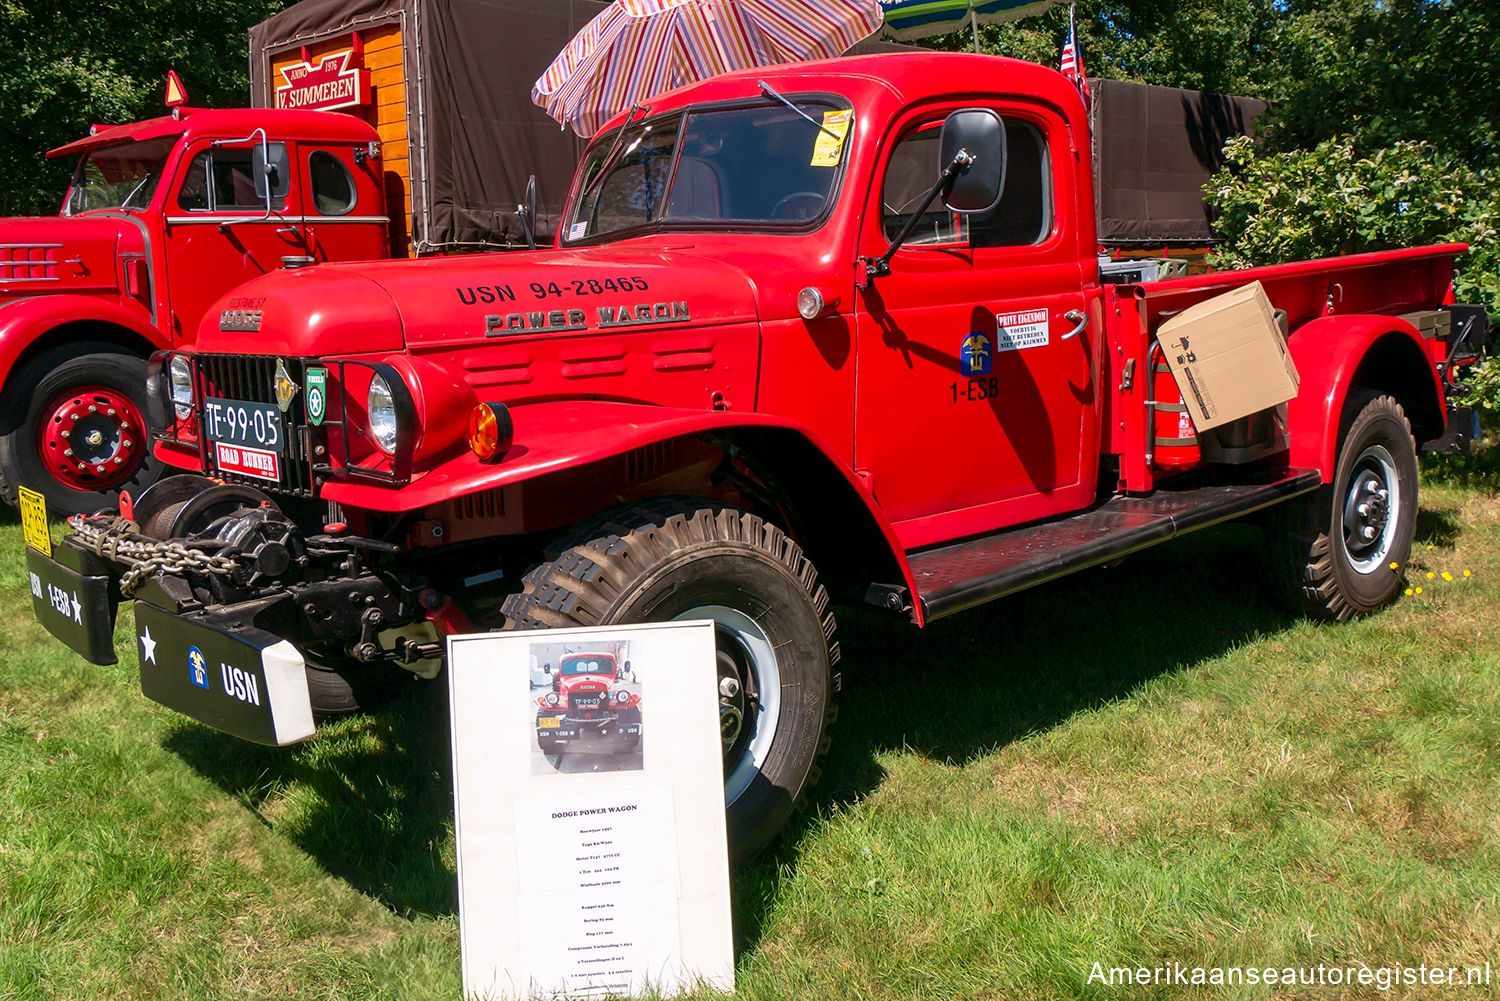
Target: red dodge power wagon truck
point(163, 217)
point(842, 315)
point(588, 708)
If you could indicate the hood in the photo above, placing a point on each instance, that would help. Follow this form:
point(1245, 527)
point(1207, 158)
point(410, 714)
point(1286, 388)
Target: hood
point(587, 683)
point(42, 254)
point(304, 312)
point(511, 297)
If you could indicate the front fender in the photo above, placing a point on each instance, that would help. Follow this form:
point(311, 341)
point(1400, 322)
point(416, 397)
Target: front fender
point(24, 321)
point(1335, 354)
point(556, 436)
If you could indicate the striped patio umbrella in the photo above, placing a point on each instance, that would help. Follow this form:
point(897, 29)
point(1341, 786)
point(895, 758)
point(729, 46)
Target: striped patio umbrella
point(907, 20)
point(636, 48)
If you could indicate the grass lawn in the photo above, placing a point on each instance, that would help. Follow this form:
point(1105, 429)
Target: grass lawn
point(1136, 766)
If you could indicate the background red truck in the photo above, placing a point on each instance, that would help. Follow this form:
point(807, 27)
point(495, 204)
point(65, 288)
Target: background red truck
point(163, 217)
point(144, 243)
point(833, 329)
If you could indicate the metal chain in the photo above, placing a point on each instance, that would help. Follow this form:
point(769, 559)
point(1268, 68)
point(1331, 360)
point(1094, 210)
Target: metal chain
point(121, 540)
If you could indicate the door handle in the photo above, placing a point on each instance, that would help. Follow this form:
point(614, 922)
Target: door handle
point(1076, 316)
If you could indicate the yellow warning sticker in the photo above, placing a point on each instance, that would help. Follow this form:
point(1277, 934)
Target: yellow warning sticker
point(830, 147)
point(34, 521)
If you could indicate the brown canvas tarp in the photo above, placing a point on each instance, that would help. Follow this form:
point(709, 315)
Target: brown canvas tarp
point(474, 134)
point(1154, 148)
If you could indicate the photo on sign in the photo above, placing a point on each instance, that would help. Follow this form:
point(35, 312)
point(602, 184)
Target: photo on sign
point(588, 708)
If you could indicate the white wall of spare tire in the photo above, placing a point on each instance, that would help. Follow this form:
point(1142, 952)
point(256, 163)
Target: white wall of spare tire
point(739, 774)
point(1376, 463)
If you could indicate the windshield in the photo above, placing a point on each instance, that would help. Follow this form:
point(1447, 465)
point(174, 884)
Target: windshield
point(756, 166)
point(588, 665)
point(123, 176)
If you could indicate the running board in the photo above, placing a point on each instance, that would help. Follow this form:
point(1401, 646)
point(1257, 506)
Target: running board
point(959, 576)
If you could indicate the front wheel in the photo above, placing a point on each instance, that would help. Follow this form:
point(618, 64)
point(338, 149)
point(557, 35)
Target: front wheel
point(79, 436)
point(772, 627)
point(1366, 517)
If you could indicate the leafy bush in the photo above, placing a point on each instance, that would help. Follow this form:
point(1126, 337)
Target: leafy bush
point(1331, 199)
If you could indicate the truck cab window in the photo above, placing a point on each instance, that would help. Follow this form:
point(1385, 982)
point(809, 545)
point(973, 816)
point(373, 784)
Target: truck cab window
point(332, 185)
point(763, 166)
point(219, 180)
point(1023, 217)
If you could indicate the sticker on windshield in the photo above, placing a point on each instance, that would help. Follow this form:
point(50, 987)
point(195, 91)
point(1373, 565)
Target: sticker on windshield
point(830, 144)
point(1026, 329)
point(578, 231)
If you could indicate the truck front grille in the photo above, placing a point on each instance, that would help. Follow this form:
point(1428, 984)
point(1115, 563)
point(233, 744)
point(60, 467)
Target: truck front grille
point(252, 379)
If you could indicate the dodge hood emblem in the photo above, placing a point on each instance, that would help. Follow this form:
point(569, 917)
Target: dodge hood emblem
point(285, 387)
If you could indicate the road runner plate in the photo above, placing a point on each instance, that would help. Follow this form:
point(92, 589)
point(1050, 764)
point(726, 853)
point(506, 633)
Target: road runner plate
point(245, 682)
point(251, 425)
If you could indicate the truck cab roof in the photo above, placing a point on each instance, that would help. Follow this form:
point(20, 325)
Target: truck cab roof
point(905, 76)
point(321, 126)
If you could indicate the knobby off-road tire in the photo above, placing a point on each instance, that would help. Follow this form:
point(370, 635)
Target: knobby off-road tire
point(774, 632)
point(49, 389)
point(1364, 521)
point(337, 689)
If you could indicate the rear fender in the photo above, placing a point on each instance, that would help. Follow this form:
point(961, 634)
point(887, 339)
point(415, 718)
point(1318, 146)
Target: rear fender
point(834, 516)
point(25, 321)
point(30, 326)
point(1336, 355)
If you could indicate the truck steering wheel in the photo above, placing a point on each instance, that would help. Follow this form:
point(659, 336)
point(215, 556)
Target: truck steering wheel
point(788, 208)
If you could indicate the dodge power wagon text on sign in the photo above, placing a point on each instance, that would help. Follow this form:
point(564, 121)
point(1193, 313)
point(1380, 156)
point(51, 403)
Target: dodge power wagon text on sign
point(842, 315)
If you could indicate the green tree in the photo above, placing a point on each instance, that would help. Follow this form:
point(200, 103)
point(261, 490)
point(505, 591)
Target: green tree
point(1378, 70)
point(71, 66)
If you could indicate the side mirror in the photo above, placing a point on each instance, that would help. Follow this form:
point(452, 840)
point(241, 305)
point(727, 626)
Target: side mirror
point(527, 212)
point(269, 166)
point(977, 186)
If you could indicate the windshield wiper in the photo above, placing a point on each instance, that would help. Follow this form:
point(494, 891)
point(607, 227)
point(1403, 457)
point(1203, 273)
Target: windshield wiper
point(766, 89)
point(125, 204)
point(615, 152)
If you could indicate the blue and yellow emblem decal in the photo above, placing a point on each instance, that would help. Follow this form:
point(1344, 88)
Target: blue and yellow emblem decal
point(197, 667)
point(974, 355)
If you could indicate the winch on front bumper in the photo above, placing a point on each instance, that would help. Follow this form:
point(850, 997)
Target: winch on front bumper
point(233, 604)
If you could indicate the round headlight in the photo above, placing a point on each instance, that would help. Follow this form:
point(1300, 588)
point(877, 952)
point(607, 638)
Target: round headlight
point(381, 407)
point(180, 372)
point(623, 697)
point(551, 698)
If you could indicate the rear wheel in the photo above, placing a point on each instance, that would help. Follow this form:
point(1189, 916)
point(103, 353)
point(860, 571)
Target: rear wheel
point(771, 624)
point(79, 437)
point(1366, 518)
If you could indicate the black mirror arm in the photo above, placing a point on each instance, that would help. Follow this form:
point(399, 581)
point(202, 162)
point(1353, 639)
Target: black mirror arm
point(875, 267)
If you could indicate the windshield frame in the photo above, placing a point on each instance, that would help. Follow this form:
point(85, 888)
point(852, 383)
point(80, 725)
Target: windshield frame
point(607, 665)
point(133, 202)
point(664, 224)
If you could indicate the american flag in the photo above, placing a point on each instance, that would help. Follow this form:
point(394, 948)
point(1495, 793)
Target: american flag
point(1071, 62)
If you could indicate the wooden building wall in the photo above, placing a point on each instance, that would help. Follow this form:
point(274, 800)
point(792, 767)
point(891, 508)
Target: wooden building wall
point(383, 57)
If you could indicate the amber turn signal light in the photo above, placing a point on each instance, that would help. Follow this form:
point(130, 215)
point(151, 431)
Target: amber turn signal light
point(490, 431)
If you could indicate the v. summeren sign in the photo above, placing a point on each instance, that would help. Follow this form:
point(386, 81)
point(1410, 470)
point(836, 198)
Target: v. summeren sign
point(329, 85)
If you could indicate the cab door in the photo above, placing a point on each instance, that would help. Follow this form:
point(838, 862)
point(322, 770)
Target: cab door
point(217, 232)
point(975, 401)
point(345, 209)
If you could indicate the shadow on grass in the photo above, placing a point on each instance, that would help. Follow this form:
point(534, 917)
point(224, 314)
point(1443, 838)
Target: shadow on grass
point(966, 686)
point(1435, 528)
point(371, 799)
point(1477, 468)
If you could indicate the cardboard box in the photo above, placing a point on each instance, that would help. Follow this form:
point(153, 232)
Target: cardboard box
point(1228, 357)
